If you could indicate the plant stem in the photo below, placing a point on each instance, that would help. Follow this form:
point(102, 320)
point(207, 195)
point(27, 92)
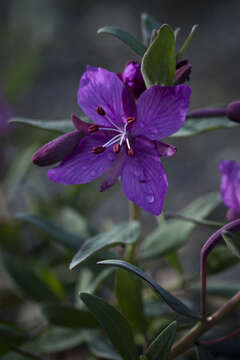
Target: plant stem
point(135, 211)
point(221, 339)
point(134, 214)
point(188, 341)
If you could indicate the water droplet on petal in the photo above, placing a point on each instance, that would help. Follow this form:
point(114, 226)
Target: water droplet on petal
point(150, 198)
point(84, 167)
point(137, 172)
point(92, 172)
point(154, 131)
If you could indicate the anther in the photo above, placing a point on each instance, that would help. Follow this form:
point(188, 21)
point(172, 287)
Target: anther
point(100, 111)
point(116, 148)
point(93, 128)
point(131, 120)
point(131, 152)
point(98, 149)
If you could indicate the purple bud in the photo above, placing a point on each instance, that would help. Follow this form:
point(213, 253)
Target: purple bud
point(165, 150)
point(233, 111)
point(132, 77)
point(80, 125)
point(233, 214)
point(57, 149)
point(181, 63)
point(182, 74)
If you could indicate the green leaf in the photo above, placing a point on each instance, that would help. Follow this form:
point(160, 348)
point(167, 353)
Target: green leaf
point(73, 222)
point(158, 63)
point(29, 283)
point(115, 325)
point(61, 126)
point(10, 335)
point(174, 303)
point(125, 37)
point(186, 42)
point(232, 240)
point(129, 297)
point(219, 288)
point(172, 234)
point(161, 346)
point(101, 347)
point(58, 339)
point(67, 316)
point(175, 261)
point(63, 237)
point(148, 24)
point(203, 354)
point(194, 126)
point(123, 234)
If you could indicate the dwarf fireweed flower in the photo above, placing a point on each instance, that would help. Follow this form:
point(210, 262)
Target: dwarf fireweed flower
point(123, 139)
point(230, 187)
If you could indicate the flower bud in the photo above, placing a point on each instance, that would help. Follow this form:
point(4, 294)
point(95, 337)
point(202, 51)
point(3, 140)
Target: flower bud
point(233, 111)
point(182, 74)
point(57, 149)
point(132, 77)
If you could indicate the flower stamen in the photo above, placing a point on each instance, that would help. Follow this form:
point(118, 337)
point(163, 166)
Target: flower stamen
point(98, 149)
point(93, 128)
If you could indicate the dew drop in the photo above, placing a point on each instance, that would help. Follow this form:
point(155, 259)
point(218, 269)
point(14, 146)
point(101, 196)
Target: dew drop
point(84, 167)
point(92, 172)
point(150, 198)
point(154, 131)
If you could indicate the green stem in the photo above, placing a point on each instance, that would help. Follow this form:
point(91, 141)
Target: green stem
point(134, 214)
point(189, 339)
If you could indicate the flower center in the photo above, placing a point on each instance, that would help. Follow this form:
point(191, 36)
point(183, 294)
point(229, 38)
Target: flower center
point(117, 140)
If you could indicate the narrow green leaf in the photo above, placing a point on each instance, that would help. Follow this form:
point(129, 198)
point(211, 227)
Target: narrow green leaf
point(125, 37)
point(158, 63)
point(129, 297)
point(29, 283)
point(63, 237)
point(232, 241)
point(161, 346)
point(115, 325)
point(58, 339)
point(203, 354)
point(123, 234)
point(148, 24)
point(101, 347)
point(199, 126)
point(61, 126)
point(174, 303)
point(172, 234)
point(175, 261)
point(186, 42)
point(67, 316)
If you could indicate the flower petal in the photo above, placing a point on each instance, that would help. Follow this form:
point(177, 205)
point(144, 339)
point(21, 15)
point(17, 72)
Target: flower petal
point(230, 183)
point(161, 111)
point(165, 150)
point(102, 88)
point(113, 172)
point(82, 165)
point(143, 179)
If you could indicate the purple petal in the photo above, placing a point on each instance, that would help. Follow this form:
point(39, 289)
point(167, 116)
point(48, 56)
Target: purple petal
point(143, 179)
point(80, 125)
point(161, 111)
point(132, 77)
point(233, 214)
point(57, 149)
point(113, 172)
point(82, 165)
point(230, 183)
point(165, 150)
point(102, 88)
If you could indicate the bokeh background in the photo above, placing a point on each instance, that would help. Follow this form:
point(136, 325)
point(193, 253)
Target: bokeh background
point(44, 48)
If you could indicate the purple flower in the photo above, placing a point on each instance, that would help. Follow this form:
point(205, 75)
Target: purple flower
point(230, 187)
point(132, 78)
point(124, 140)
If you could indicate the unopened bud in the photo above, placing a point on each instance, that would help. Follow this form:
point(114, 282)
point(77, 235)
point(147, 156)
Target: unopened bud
point(233, 111)
point(182, 74)
point(181, 63)
point(57, 149)
point(132, 78)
